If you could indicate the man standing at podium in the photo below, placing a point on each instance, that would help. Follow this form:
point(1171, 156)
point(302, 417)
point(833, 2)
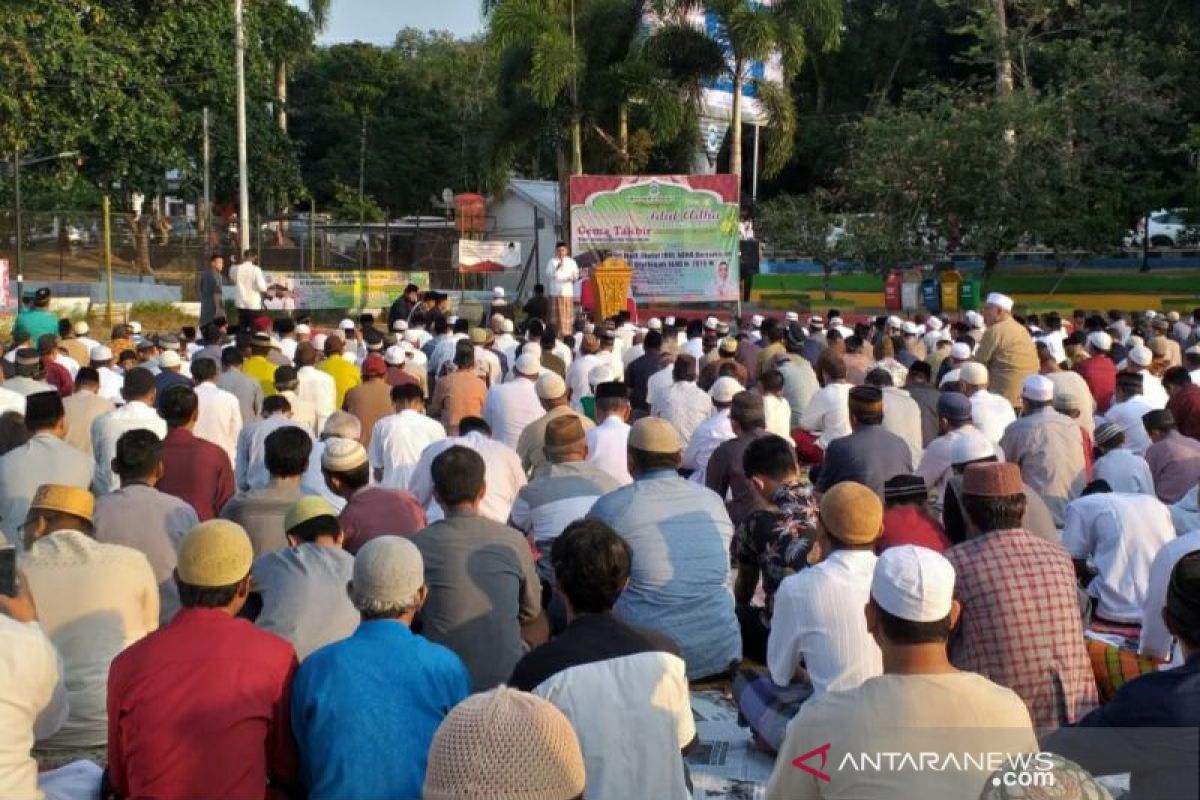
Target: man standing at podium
point(563, 274)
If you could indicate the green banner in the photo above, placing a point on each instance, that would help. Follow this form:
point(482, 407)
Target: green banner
point(372, 288)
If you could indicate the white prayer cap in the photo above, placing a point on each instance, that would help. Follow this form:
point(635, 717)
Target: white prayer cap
point(599, 375)
point(451, 321)
point(550, 386)
point(1038, 388)
point(1151, 314)
point(934, 324)
point(400, 326)
point(894, 321)
point(724, 389)
point(971, 445)
point(711, 323)
point(909, 328)
point(498, 291)
point(792, 316)
point(387, 569)
point(973, 374)
point(303, 330)
point(342, 455)
point(1134, 341)
point(669, 320)
point(816, 321)
point(836, 321)
point(80, 328)
point(528, 364)
point(756, 320)
point(589, 327)
point(913, 583)
point(950, 377)
point(346, 324)
point(974, 319)
point(960, 350)
point(1141, 356)
point(101, 353)
point(169, 359)
point(507, 326)
point(394, 355)
point(654, 324)
point(1193, 350)
point(1001, 301)
point(135, 327)
point(1100, 340)
point(318, 341)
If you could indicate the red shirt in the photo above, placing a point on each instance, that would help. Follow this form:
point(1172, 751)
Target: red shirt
point(58, 376)
point(199, 708)
point(911, 525)
point(197, 472)
point(1185, 407)
point(1100, 373)
point(375, 511)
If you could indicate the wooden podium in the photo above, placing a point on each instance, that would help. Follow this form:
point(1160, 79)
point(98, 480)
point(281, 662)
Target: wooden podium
point(613, 278)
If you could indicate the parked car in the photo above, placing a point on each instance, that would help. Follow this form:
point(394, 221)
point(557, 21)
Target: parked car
point(1168, 228)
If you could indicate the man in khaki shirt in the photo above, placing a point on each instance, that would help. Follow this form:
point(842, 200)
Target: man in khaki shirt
point(461, 393)
point(1007, 349)
point(556, 399)
point(83, 407)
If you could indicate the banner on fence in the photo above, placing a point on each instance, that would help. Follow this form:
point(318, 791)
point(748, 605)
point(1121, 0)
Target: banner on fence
point(372, 288)
point(477, 256)
point(679, 233)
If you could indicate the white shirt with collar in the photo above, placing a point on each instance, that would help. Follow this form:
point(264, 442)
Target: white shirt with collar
point(708, 436)
point(658, 383)
point(685, 405)
point(1156, 640)
point(107, 429)
point(11, 401)
point(111, 383)
point(397, 442)
point(991, 414)
point(564, 352)
point(818, 619)
point(828, 413)
point(694, 347)
point(510, 407)
point(902, 416)
point(563, 274)
point(608, 445)
point(1124, 471)
point(577, 378)
point(320, 389)
point(1120, 534)
point(503, 474)
point(72, 366)
point(250, 467)
point(1127, 415)
point(33, 705)
point(249, 285)
point(219, 418)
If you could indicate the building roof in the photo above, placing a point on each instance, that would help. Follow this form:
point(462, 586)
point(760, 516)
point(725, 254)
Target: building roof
point(543, 194)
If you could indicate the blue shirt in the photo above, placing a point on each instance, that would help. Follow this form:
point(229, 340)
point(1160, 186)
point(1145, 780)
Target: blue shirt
point(364, 711)
point(679, 533)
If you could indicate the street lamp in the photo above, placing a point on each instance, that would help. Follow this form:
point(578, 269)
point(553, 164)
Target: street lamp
point(17, 163)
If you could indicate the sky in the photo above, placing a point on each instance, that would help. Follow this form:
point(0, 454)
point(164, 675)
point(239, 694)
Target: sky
point(377, 21)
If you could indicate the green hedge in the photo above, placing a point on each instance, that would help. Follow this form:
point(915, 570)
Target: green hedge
point(1181, 286)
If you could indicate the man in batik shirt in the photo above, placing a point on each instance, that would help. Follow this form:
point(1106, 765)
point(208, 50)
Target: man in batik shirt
point(771, 543)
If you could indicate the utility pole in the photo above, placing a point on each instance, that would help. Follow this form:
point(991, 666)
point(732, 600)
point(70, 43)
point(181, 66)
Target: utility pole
point(362, 172)
point(105, 211)
point(20, 231)
point(206, 214)
point(243, 177)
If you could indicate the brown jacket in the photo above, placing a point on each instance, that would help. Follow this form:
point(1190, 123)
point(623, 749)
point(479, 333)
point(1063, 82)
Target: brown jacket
point(1009, 353)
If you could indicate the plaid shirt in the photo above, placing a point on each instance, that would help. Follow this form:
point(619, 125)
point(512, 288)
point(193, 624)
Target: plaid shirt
point(777, 540)
point(1021, 624)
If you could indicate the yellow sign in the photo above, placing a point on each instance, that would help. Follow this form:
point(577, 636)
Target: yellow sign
point(613, 278)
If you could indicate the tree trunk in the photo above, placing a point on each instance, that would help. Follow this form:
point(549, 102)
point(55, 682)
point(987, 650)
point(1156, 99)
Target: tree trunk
point(1004, 67)
point(281, 95)
point(576, 145)
point(735, 122)
point(828, 287)
point(623, 134)
point(140, 228)
point(991, 260)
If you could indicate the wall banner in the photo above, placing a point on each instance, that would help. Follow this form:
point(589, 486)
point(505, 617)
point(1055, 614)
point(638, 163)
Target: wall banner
point(371, 288)
point(679, 233)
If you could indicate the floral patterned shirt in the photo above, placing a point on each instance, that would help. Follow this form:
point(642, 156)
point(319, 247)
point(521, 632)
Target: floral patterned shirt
point(777, 540)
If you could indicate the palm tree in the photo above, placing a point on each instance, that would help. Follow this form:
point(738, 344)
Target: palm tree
point(579, 69)
point(293, 39)
point(752, 32)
